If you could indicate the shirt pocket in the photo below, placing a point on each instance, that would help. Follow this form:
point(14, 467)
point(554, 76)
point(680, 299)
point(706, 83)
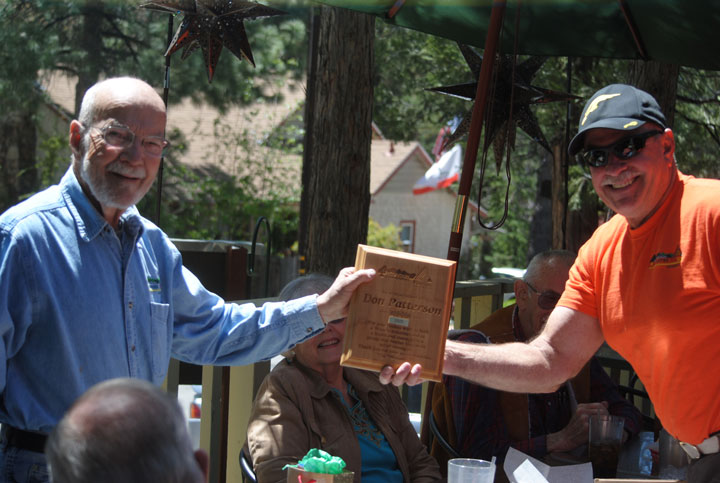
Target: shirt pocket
point(161, 339)
point(332, 432)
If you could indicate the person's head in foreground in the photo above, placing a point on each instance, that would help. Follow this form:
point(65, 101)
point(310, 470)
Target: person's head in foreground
point(124, 430)
point(117, 143)
point(630, 152)
point(541, 287)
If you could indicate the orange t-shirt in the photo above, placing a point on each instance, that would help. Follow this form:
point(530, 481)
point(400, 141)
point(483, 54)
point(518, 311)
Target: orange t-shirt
point(656, 293)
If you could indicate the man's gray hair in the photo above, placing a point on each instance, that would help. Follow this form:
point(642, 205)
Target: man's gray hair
point(123, 430)
point(546, 259)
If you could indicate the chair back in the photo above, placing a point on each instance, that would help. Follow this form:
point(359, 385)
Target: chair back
point(247, 468)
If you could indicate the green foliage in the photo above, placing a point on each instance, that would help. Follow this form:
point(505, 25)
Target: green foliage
point(383, 236)
point(53, 159)
point(224, 199)
point(91, 39)
point(697, 122)
point(408, 62)
point(510, 242)
point(106, 38)
point(22, 55)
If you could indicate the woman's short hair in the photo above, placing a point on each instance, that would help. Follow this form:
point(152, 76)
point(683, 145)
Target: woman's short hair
point(312, 283)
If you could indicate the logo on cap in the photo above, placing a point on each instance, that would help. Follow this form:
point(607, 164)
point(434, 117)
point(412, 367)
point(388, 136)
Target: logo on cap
point(595, 104)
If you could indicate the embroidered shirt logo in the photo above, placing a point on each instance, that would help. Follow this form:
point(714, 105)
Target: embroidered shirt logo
point(154, 284)
point(661, 259)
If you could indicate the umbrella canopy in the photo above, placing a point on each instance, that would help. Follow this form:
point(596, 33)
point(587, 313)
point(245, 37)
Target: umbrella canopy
point(681, 32)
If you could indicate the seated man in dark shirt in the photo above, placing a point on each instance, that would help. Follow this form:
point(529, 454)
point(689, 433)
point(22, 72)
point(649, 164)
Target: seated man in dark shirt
point(482, 422)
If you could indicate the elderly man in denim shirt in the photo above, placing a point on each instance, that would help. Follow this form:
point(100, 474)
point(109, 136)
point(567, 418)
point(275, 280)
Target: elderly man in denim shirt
point(90, 290)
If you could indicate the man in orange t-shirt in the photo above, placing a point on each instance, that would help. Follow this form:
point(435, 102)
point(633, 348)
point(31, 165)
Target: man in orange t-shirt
point(647, 282)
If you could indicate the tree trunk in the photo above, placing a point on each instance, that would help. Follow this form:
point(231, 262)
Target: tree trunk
point(660, 80)
point(18, 169)
point(336, 196)
point(91, 45)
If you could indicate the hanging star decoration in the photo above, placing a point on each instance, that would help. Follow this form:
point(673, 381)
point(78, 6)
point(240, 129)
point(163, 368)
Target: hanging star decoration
point(498, 111)
point(212, 25)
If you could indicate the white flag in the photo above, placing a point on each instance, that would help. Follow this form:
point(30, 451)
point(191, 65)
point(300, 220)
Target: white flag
point(441, 174)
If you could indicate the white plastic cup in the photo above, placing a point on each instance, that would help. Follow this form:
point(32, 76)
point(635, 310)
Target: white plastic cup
point(467, 470)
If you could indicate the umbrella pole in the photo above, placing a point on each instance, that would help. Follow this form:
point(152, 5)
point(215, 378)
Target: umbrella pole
point(166, 93)
point(468, 170)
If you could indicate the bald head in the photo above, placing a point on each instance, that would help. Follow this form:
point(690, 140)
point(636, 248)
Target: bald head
point(548, 261)
point(117, 92)
point(541, 287)
point(115, 400)
point(123, 430)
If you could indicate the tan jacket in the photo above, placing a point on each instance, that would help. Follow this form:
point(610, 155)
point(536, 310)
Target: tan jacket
point(295, 411)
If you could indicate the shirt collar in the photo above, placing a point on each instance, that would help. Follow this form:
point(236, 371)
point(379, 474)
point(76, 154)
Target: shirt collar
point(88, 220)
point(319, 388)
point(517, 326)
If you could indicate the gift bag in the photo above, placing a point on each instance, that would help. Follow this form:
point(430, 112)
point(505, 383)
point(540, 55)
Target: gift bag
point(296, 475)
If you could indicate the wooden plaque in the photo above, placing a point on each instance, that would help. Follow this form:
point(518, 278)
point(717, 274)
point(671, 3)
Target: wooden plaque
point(402, 315)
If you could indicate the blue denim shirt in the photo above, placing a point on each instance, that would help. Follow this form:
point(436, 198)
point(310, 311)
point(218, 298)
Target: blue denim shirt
point(80, 304)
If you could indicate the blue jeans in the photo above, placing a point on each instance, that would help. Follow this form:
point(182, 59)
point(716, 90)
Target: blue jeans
point(22, 466)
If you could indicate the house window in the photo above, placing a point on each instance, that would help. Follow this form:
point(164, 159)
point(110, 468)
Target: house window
point(407, 235)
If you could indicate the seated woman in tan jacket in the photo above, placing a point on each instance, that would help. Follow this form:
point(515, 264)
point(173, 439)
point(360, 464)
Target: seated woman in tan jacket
point(310, 401)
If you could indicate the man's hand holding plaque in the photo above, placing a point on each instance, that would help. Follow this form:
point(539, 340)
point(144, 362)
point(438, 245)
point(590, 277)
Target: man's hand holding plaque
point(401, 315)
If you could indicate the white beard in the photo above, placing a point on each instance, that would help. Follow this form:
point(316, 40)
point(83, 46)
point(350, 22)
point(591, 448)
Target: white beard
point(104, 192)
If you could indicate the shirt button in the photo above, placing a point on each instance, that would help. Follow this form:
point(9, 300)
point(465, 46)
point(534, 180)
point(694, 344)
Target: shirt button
point(130, 305)
point(309, 329)
point(132, 349)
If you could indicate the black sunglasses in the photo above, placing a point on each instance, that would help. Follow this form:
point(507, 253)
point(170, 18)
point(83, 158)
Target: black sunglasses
point(547, 300)
point(625, 148)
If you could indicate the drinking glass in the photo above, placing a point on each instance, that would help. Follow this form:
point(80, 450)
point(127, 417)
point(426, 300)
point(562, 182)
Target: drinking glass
point(604, 441)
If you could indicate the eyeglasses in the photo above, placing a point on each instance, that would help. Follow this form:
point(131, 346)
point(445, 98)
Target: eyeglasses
point(121, 136)
point(547, 299)
point(625, 148)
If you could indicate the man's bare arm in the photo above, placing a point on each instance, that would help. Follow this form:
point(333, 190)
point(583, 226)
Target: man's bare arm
point(568, 340)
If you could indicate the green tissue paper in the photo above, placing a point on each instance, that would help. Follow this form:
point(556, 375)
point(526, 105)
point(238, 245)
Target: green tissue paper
point(319, 461)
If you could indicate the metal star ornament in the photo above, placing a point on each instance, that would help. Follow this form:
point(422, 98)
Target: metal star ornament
point(498, 114)
point(212, 25)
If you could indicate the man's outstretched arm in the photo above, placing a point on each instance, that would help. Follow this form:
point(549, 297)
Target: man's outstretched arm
point(568, 340)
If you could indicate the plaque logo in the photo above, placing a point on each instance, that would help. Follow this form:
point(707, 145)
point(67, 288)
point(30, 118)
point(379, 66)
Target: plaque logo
point(420, 278)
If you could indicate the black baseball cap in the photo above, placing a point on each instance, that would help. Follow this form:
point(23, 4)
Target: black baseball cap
point(617, 106)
